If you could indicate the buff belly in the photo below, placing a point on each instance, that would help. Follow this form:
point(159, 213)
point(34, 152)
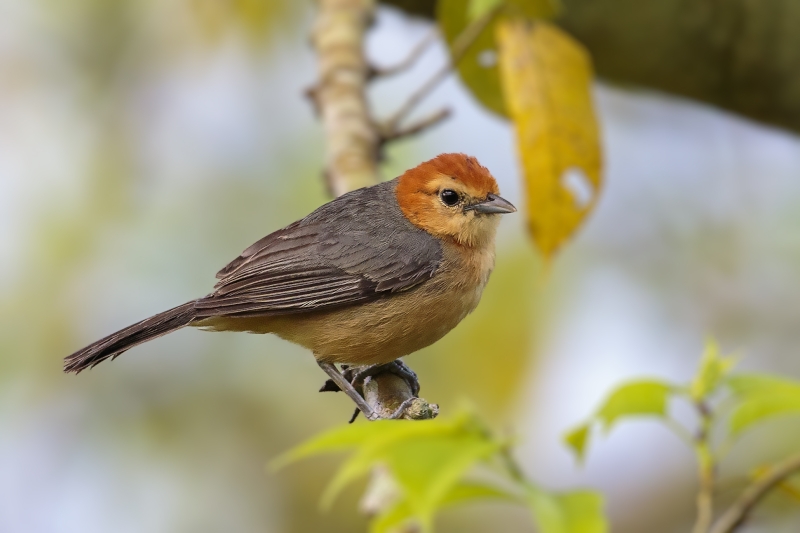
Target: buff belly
point(373, 333)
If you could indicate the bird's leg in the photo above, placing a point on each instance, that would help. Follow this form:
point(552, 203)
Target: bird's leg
point(348, 389)
point(405, 372)
point(396, 367)
point(330, 386)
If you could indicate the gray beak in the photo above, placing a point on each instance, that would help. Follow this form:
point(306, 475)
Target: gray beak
point(493, 205)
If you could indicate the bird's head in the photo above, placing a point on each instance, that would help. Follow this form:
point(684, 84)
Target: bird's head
point(453, 197)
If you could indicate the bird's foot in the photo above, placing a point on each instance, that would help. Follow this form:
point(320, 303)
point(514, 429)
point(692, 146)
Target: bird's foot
point(351, 380)
point(396, 367)
point(343, 384)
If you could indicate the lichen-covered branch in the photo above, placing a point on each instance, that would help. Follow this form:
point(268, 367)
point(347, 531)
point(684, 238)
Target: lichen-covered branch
point(351, 139)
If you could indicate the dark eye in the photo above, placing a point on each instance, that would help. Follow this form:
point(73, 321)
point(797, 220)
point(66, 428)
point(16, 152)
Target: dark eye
point(449, 197)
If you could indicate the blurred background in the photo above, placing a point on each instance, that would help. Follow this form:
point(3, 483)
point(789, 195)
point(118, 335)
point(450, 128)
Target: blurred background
point(144, 144)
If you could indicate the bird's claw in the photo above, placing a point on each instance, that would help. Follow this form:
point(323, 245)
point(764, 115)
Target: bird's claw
point(401, 409)
point(351, 380)
point(396, 367)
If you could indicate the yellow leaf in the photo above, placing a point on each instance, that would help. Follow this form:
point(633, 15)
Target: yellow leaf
point(478, 65)
point(546, 77)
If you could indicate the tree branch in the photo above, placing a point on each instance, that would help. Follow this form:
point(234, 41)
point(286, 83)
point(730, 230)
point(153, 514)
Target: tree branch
point(753, 494)
point(352, 142)
point(351, 146)
point(412, 57)
point(457, 51)
point(417, 127)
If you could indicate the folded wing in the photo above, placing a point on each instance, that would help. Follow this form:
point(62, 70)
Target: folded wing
point(355, 249)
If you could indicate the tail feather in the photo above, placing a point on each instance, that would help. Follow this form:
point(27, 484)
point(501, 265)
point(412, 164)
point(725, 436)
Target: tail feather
point(124, 339)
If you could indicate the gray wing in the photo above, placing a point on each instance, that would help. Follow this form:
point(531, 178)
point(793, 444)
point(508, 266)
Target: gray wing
point(354, 249)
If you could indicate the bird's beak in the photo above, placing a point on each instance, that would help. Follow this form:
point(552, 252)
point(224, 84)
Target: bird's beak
point(493, 204)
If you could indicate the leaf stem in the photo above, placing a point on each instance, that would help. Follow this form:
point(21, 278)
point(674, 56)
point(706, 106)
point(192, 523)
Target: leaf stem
point(512, 466)
point(706, 470)
point(680, 431)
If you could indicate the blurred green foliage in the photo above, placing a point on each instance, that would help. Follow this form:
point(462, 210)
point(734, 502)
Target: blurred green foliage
point(739, 400)
point(757, 397)
point(744, 399)
point(428, 461)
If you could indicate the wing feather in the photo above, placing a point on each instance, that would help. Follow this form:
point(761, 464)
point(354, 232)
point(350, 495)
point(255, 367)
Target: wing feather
point(328, 259)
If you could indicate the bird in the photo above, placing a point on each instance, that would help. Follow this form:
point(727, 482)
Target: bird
point(367, 278)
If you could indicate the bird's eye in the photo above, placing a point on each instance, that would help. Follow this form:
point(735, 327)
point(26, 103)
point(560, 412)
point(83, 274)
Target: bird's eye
point(449, 197)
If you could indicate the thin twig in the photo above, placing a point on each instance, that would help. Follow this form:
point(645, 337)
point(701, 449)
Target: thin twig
point(753, 494)
point(680, 431)
point(417, 127)
point(514, 470)
point(706, 470)
point(412, 57)
point(460, 47)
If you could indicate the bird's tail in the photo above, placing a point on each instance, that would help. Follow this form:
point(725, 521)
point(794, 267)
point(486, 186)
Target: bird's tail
point(124, 339)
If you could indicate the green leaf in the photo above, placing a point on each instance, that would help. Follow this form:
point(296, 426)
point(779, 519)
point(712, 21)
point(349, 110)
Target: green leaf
point(478, 8)
point(577, 439)
point(426, 459)
point(402, 447)
point(340, 438)
point(372, 434)
point(468, 491)
point(759, 397)
point(464, 492)
point(758, 409)
point(571, 512)
point(748, 384)
point(532, 9)
point(478, 66)
point(713, 368)
point(357, 465)
point(427, 469)
point(637, 398)
point(398, 514)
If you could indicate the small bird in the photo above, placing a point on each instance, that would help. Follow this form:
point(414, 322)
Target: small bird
point(365, 279)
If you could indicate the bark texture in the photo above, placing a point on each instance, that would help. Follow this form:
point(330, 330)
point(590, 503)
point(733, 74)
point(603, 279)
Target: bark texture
point(351, 138)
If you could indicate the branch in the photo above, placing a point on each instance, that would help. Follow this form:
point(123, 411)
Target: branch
point(411, 58)
point(417, 127)
point(352, 142)
point(351, 146)
point(385, 393)
point(460, 47)
point(753, 494)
